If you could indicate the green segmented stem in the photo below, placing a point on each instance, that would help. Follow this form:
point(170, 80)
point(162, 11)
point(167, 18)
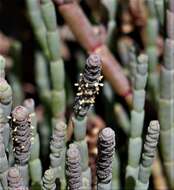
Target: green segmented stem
point(56, 63)
point(166, 101)
point(4, 129)
point(148, 156)
point(42, 79)
point(36, 20)
point(58, 150)
point(16, 86)
point(152, 30)
point(132, 64)
point(5, 109)
point(137, 121)
point(160, 11)
point(2, 67)
point(116, 173)
point(111, 6)
point(122, 118)
point(3, 165)
point(35, 167)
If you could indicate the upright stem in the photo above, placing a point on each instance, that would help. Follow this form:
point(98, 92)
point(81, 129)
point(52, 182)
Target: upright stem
point(166, 101)
point(148, 155)
point(35, 166)
point(137, 121)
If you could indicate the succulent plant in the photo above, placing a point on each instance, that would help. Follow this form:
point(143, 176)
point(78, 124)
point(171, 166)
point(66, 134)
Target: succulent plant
point(137, 120)
point(73, 168)
point(48, 181)
point(51, 141)
point(15, 180)
point(34, 161)
point(148, 155)
point(3, 164)
point(106, 149)
point(88, 86)
point(166, 110)
point(57, 144)
point(21, 134)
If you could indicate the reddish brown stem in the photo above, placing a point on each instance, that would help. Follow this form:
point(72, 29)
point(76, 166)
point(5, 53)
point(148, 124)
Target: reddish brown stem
point(82, 30)
point(79, 25)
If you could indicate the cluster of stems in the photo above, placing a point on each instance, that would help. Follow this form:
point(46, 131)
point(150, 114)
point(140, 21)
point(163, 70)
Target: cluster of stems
point(69, 168)
point(74, 17)
point(56, 62)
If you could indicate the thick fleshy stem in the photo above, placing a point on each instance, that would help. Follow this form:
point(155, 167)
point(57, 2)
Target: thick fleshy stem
point(35, 166)
point(56, 62)
point(5, 109)
point(122, 118)
point(34, 11)
point(148, 155)
point(160, 11)
point(166, 100)
point(48, 180)
point(21, 136)
point(3, 165)
point(111, 7)
point(73, 168)
point(152, 30)
point(42, 78)
point(106, 149)
point(58, 150)
point(88, 88)
point(137, 121)
point(15, 180)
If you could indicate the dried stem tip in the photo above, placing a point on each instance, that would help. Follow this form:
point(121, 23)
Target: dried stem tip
point(92, 68)
point(88, 86)
point(73, 153)
point(20, 114)
point(106, 148)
